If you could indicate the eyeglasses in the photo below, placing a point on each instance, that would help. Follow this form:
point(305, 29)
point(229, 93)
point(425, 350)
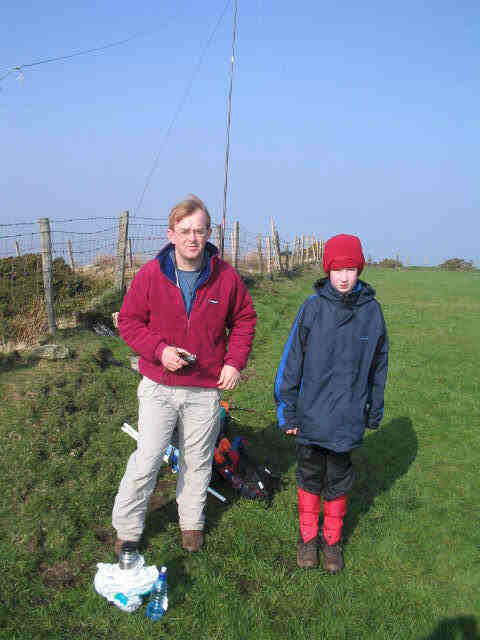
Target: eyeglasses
point(185, 233)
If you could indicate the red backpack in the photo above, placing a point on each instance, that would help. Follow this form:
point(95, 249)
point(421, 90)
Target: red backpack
point(232, 463)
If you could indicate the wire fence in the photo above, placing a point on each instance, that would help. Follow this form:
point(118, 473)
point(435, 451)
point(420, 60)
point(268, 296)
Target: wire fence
point(52, 269)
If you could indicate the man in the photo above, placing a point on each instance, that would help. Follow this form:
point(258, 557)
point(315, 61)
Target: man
point(180, 304)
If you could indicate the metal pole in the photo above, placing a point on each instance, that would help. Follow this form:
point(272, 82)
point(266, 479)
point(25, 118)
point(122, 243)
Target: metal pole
point(229, 112)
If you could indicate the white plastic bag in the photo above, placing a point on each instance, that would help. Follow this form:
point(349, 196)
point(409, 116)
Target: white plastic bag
point(125, 587)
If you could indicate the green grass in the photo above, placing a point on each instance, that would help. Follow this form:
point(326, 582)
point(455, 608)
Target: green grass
point(412, 537)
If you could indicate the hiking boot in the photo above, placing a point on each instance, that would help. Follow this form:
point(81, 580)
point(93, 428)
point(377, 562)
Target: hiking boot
point(332, 557)
point(307, 553)
point(119, 544)
point(192, 540)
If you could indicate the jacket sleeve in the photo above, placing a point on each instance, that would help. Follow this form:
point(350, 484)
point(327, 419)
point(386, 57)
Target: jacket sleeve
point(241, 325)
point(288, 380)
point(377, 379)
point(133, 320)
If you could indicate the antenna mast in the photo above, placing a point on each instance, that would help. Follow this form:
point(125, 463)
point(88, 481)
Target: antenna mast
point(227, 151)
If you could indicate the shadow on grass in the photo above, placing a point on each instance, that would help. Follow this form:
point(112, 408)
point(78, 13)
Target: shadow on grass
point(385, 456)
point(461, 628)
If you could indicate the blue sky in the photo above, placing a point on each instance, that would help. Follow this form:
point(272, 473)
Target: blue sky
point(347, 117)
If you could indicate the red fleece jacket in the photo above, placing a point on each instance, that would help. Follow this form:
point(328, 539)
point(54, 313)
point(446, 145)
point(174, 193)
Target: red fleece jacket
point(153, 316)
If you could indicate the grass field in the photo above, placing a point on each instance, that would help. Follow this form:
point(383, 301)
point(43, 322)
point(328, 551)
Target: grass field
point(412, 546)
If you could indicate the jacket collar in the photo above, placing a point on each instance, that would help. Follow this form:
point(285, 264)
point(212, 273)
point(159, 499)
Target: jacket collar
point(361, 293)
point(167, 264)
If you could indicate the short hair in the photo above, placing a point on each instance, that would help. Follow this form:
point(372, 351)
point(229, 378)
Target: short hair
point(186, 208)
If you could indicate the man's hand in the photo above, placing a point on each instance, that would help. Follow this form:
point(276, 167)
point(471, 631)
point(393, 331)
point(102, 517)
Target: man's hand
point(229, 377)
point(291, 432)
point(171, 360)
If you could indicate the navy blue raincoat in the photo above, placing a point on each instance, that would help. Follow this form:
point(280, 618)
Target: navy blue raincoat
point(331, 378)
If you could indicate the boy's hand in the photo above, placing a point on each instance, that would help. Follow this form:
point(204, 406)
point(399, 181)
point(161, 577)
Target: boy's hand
point(291, 432)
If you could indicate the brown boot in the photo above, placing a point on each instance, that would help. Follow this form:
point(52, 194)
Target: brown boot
point(332, 557)
point(307, 553)
point(119, 544)
point(192, 540)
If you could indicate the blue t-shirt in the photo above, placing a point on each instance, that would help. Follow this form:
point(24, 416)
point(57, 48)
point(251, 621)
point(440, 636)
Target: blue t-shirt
point(187, 281)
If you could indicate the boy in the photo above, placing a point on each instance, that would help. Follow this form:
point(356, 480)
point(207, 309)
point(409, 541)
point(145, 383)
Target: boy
point(329, 387)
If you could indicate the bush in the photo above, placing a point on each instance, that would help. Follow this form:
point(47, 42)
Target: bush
point(390, 263)
point(21, 294)
point(457, 264)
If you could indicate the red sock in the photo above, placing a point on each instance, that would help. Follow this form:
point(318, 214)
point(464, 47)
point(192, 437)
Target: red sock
point(333, 513)
point(309, 511)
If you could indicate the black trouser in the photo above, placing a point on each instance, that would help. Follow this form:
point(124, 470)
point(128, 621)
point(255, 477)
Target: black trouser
point(324, 472)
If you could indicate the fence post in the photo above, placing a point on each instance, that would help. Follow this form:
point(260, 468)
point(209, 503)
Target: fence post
point(121, 251)
point(260, 255)
point(70, 253)
point(219, 239)
point(17, 249)
point(268, 249)
point(130, 252)
point(276, 245)
point(235, 237)
point(287, 257)
point(46, 241)
point(294, 252)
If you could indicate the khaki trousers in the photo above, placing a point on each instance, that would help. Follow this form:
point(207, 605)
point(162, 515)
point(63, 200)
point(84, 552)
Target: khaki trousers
point(195, 411)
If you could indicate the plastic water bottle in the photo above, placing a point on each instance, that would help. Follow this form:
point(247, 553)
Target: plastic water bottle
point(158, 603)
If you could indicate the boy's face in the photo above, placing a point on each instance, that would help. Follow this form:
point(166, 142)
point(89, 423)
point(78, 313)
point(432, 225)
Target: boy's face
point(344, 280)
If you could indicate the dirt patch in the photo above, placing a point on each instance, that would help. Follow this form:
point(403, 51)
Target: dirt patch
point(58, 575)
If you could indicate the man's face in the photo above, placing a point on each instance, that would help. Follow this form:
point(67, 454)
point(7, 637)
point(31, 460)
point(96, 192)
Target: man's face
point(190, 236)
point(344, 280)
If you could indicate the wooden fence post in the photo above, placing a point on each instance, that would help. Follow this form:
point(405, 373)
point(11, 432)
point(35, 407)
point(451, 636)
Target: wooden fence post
point(46, 242)
point(235, 237)
point(268, 249)
point(260, 255)
point(130, 253)
point(276, 245)
point(219, 239)
point(17, 249)
point(70, 255)
point(121, 251)
point(287, 257)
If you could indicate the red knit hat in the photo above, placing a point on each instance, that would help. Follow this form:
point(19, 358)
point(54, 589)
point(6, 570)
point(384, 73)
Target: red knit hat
point(343, 252)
